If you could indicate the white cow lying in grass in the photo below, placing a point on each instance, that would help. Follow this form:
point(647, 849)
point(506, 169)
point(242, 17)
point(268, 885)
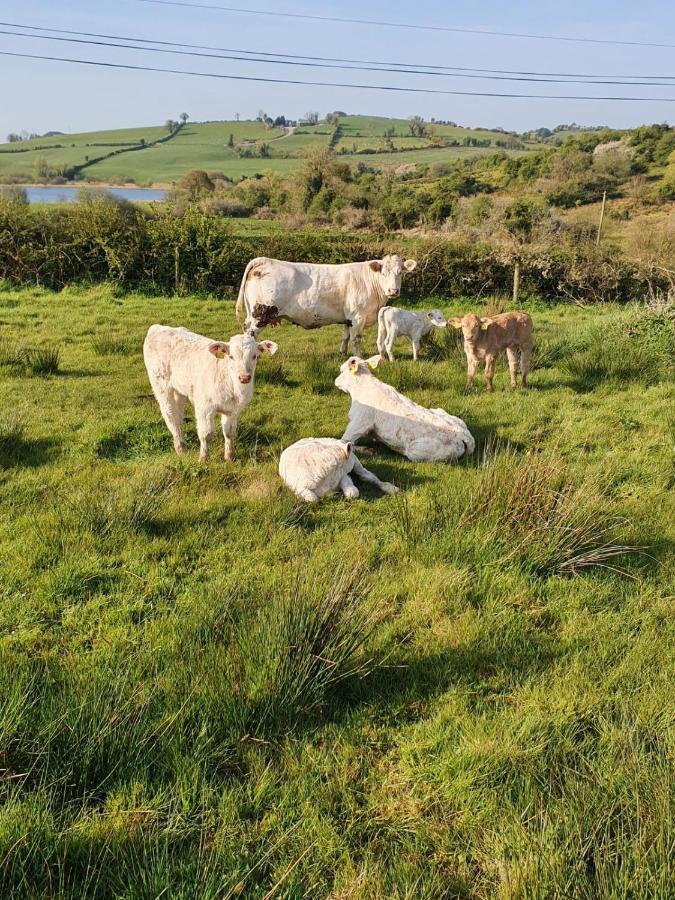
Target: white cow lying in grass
point(314, 467)
point(393, 322)
point(380, 412)
point(216, 377)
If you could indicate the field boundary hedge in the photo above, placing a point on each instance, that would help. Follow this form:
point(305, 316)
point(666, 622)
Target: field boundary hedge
point(104, 240)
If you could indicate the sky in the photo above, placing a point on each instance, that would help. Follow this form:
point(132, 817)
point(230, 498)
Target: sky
point(39, 96)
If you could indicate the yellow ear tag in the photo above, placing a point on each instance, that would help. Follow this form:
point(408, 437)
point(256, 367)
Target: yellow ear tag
point(353, 368)
point(457, 325)
point(220, 355)
point(371, 365)
point(484, 326)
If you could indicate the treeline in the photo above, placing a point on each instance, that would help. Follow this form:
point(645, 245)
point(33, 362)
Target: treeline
point(101, 238)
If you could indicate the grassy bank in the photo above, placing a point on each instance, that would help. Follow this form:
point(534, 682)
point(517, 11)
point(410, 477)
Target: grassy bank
point(209, 690)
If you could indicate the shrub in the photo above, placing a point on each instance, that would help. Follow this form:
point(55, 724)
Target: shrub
point(112, 344)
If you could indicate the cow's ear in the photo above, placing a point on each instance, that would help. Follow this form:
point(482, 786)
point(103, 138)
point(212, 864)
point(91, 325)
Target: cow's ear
point(268, 347)
point(484, 324)
point(410, 265)
point(375, 265)
point(348, 448)
point(456, 323)
point(219, 349)
point(353, 365)
point(430, 315)
point(374, 361)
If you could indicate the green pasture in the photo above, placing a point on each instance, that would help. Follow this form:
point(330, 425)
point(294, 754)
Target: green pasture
point(211, 690)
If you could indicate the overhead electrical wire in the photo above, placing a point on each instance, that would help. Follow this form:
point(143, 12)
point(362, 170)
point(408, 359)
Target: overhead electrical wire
point(336, 84)
point(412, 25)
point(285, 62)
point(402, 66)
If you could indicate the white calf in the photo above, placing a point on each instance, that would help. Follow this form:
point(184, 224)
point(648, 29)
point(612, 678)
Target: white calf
point(314, 467)
point(393, 322)
point(216, 377)
point(380, 412)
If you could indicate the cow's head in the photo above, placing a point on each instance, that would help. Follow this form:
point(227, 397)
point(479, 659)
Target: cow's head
point(355, 369)
point(436, 317)
point(472, 325)
point(242, 352)
point(389, 270)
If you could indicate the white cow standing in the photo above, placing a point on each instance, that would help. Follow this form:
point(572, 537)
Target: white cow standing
point(380, 412)
point(393, 323)
point(312, 295)
point(216, 377)
point(314, 467)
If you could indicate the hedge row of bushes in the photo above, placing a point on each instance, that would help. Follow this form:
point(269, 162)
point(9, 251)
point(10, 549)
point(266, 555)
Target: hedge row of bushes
point(99, 239)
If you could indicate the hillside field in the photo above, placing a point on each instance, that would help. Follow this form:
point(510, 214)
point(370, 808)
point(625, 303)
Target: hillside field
point(210, 690)
point(205, 145)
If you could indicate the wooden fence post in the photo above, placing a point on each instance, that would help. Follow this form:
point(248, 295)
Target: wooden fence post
point(602, 216)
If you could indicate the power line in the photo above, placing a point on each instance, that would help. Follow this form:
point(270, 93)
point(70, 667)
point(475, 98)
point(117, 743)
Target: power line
point(337, 84)
point(288, 60)
point(399, 66)
point(411, 25)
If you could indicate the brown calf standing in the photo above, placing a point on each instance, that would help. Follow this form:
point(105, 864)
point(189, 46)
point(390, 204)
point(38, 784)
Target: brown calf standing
point(488, 338)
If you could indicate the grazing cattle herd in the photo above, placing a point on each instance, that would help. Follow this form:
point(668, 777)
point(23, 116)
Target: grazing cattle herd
point(217, 377)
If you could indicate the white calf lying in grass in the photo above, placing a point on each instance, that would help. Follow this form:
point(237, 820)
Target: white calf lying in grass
point(380, 412)
point(217, 377)
point(314, 467)
point(393, 322)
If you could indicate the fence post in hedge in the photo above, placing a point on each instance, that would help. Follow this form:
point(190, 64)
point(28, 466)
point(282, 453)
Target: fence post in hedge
point(602, 216)
point(516, 279)
point(176, 269)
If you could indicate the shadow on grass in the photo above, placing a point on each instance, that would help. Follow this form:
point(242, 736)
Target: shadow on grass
point(28, 453)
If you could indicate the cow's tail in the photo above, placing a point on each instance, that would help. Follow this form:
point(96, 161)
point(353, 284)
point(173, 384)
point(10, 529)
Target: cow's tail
point(381, 330)
point(241, 298)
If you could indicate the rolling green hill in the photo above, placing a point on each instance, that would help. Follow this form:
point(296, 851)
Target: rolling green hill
point(235, 149)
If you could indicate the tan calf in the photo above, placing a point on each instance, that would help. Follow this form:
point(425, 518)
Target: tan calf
point(487, 338)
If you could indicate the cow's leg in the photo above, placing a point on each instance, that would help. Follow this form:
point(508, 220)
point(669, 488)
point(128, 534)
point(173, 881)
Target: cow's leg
point(525, 353)
point(512, 355)
point(354, 432)
point(345, 340)
point(363, 473)
point(389, 346)
point(490, 371)
point(172, 407)
point(355, 335)
point(416, 347)
point(308, 495)
point(471, 368)
point(204, 431)
point(348, 488)
point(229, 425)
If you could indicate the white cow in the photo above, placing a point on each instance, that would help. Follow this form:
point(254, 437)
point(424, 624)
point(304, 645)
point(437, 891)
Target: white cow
point(380, 412)
point(314, 467)
point(216, 377)
point(313, 295)
point(393, 322)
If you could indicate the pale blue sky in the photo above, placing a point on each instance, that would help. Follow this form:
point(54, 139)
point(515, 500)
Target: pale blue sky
point(38, 96)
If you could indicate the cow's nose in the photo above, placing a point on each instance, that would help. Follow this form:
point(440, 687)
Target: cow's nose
point(393, 293)
point(245, 379)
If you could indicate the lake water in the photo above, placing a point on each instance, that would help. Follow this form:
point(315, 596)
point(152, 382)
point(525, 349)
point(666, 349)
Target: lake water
point(57, 193)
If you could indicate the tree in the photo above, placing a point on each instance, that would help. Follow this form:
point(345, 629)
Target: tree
point(183, 118)
point(417, 126)
point(170, 126)
point(280, 122)
point(264, 150)
point(13, 138)
point(520, 221)
point(237, 117)
point(194, 185)
point(230, 140)
point(312, 118)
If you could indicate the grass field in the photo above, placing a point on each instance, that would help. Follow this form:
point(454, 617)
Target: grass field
point(209, 690)
point(204, 145)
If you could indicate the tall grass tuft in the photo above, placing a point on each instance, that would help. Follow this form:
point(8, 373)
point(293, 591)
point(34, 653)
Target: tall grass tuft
point(43, 361)
point(549, 525)
point(113, 508)
point(300, 646)
point(443, 344)
point(112, 345)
